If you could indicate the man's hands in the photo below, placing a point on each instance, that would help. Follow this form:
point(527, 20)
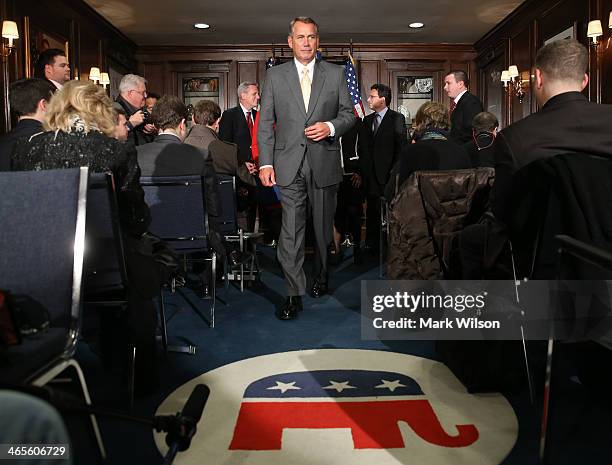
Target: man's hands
point(356, 181)
point(317, 131)
point(137, 118)
point(150, 129)
point(267, 177)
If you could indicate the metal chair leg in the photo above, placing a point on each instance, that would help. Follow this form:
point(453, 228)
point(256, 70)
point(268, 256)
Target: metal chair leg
point(187, 349)
point(94, 421)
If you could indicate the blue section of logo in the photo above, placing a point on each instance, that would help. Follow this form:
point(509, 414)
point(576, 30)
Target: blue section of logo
point(334, 383)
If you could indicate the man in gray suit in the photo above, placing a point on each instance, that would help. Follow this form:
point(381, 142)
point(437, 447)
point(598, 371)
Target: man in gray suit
point(308, 102)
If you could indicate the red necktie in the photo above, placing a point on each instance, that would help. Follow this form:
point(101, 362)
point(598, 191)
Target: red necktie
point(451, 107)
point(250, 123)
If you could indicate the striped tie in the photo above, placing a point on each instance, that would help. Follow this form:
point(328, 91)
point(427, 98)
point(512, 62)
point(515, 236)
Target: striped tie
point(305, 84)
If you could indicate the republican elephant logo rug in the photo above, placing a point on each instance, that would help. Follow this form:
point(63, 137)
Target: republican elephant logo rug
point(343, 406)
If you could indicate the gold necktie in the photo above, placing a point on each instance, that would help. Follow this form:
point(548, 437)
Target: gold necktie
point(305, 84)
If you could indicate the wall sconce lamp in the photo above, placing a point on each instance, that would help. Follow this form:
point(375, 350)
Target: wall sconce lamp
point(515, 82)
point(99, 78)
point(595, 30)
point(10, 32)
point(94, 74)
point(104, 79)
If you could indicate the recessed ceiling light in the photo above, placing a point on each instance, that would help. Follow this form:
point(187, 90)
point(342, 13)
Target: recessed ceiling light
point(416, 25)
point(201, 26)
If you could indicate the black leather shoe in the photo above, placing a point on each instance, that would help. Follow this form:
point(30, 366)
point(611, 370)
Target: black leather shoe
point(290, 308)
point(318, 289)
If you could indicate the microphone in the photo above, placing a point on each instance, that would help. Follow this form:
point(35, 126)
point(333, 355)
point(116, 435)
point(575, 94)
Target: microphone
point(182, 427)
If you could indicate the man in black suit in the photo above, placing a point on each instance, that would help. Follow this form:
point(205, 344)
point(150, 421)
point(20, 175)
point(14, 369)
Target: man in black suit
point(53, 66)
point(382, 137)
point(167, 155)
point(567, 122)
point(463, 107)
point(237, 126)
point(28, 99)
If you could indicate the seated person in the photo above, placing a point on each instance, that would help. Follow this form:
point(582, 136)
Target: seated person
point(167, 155)
point(431, 149)
point(80, 130)
point(480, 148)
point(206, 116)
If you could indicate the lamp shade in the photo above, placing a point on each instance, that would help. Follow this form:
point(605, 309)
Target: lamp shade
point(594, 30)
point(505, 76)
point(513, 71)
point(9, 30)
point(104, 79)
point(94, 73)
point(610, 21)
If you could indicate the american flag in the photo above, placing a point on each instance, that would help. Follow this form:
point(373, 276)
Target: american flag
point(353, 87)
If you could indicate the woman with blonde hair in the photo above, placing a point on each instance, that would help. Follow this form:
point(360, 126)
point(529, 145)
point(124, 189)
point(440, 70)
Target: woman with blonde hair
point(80, 124)
point(431, 147)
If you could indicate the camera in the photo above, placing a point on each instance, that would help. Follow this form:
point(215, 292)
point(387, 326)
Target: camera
point(147, 116)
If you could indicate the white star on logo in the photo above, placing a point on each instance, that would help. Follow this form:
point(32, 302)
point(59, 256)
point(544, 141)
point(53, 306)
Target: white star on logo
point(339, 386)
point(284, 387)
point(391, 385)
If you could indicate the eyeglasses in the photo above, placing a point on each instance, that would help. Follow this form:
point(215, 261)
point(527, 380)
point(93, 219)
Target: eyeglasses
point(141, 92)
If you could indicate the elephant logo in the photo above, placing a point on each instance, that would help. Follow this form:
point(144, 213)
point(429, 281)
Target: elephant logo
point(369, 403)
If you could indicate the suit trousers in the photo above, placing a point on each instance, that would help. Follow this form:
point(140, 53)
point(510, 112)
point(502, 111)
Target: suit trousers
point(298, 199)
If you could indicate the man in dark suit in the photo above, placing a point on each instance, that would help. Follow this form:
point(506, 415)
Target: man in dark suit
point(567, 122)
point(463, 107)
point(236, 126)
point(53, 66)
point(167, 155)
point(308, 102)
point(381, 139)
point(28, 99)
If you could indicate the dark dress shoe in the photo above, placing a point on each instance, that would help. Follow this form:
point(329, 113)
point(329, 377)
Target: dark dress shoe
point(290, 308)
point(318, 289)
point(235, 257)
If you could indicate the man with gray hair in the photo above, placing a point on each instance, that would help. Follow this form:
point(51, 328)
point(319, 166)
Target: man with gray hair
point(131, 99)
point(237, 126)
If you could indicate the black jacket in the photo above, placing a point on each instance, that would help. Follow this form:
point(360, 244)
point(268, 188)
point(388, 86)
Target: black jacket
point(53, 150)
point(461, 118)
point(136, 134)
point(567, 123)
point(378, 152)
point(234, 128)
point(23, 129)
point(168, 156)
point(426, 154)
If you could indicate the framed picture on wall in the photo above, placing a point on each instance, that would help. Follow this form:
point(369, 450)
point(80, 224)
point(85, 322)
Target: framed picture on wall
point(569, 33)
point(39, 40)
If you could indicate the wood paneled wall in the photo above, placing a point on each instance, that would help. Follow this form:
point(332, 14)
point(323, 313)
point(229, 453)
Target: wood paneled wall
point(375, 63)
point(517, 39)
point(93, 41)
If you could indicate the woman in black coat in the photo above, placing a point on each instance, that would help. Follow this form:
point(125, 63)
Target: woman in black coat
point(80, 124)
point(431, 148)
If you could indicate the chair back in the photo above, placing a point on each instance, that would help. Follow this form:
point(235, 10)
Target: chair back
point(42, 240)
point(566, 194)
point(429, 211)
point(226, 190)
point(105, 264)
point(178, 210)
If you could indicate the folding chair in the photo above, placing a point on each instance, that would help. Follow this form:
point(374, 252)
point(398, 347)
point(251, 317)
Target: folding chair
point(105, 276)
point(179, 217)
point(228, 226)
point(41, 256)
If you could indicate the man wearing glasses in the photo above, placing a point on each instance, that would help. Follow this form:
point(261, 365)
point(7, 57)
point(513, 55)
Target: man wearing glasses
point(132, 96)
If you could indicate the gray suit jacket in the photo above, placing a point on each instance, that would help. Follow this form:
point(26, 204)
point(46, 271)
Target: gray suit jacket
point(282, 103)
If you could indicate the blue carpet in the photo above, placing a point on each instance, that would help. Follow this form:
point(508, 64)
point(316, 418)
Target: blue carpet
point(246, 327)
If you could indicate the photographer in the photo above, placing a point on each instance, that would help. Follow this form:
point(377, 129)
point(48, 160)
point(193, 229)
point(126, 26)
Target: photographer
point(132, 95)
